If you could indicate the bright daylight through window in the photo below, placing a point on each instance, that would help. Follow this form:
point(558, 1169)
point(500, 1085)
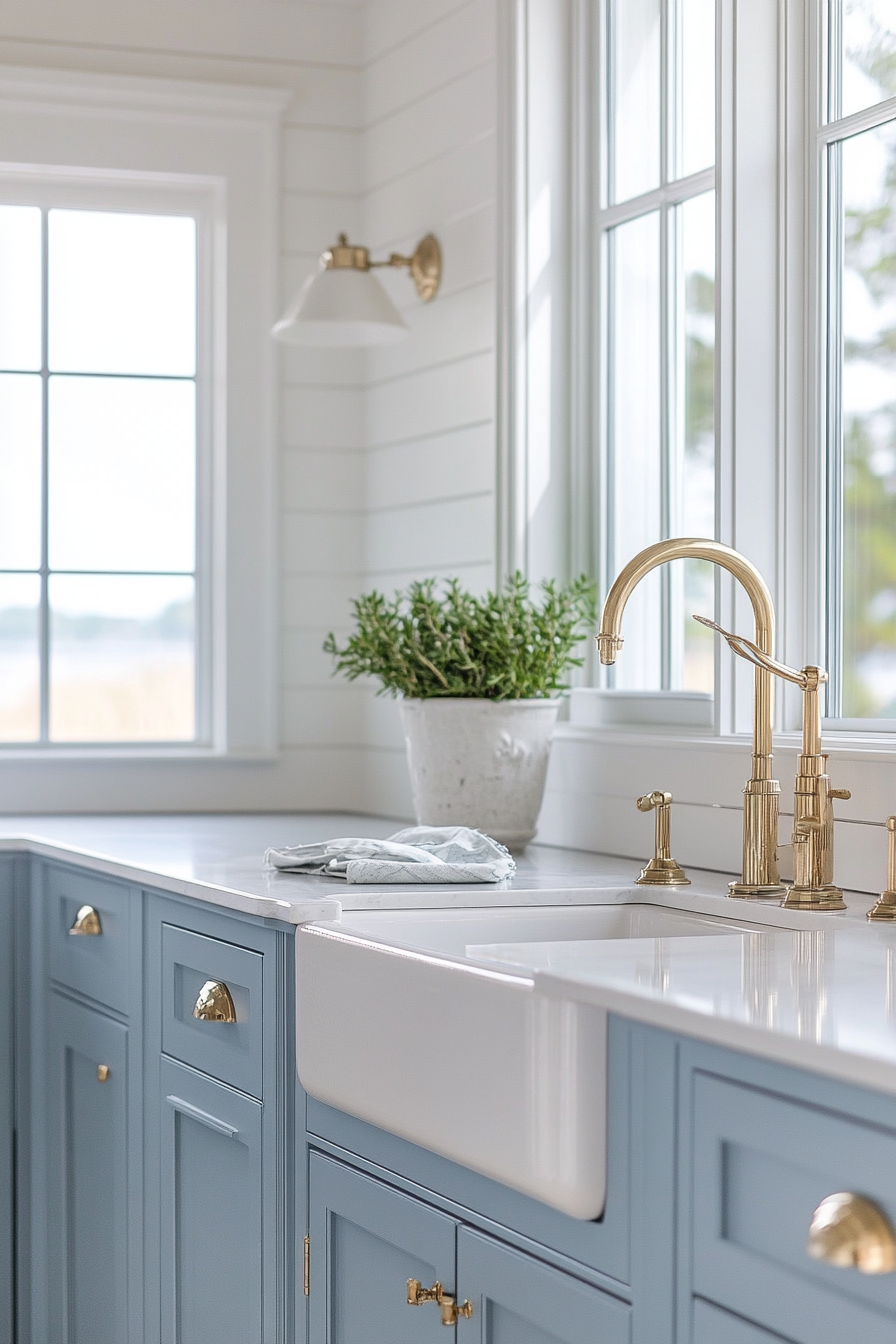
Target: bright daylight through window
point(97, 476)
point(657, 227)
point(860, 141)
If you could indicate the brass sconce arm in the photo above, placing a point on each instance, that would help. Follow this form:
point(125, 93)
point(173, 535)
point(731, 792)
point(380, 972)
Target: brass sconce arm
point(425, 265)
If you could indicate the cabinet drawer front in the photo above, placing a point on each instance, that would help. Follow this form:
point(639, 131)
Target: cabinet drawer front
point(230, 1051)
point(94, 964)
point(762, 1164)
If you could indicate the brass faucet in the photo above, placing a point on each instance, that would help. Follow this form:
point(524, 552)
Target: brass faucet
point(761, 792)
point(813, 814)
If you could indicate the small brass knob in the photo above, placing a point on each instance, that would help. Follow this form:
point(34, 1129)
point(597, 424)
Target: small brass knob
point(87, 921)
point(449, 1308)
point(102, 1073)
point(850, 1231)
point(215, 1003)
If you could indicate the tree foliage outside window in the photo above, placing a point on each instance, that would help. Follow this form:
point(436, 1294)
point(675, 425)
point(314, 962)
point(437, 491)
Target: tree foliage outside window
point(865, 166)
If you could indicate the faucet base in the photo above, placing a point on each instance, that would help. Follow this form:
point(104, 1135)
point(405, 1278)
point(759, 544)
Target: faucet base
point(751, 891)
point(663, 873)
point(814, 898)
point(885, 910)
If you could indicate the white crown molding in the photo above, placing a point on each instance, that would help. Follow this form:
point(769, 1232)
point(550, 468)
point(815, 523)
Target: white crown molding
point(24, 86)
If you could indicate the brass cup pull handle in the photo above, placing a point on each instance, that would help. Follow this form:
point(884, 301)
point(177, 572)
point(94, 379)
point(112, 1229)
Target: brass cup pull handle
point(448, 1305)
point(215, 1003)
point(87, 921)
point(852, 1232)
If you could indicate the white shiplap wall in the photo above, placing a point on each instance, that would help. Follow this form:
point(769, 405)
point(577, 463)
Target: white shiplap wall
point(316, 50)
point(429, 164)
point(387, 458)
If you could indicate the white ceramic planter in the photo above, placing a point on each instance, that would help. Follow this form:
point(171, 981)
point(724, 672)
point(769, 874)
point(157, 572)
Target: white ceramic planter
point(480, 763)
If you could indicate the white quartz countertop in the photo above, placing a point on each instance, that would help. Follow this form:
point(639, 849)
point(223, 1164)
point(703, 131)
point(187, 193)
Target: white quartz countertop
point(817, 991)
point(219, 859)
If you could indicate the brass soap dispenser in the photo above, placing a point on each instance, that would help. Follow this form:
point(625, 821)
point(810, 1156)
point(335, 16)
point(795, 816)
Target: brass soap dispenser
point(813, 813)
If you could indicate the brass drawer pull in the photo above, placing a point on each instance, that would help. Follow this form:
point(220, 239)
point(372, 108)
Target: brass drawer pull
point(87, 921)
point(852, 1232)
point(102, 1073)
point(215, 1003)
point(448, 1306)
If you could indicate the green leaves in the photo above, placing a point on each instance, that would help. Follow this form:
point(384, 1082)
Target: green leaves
point(503, 646)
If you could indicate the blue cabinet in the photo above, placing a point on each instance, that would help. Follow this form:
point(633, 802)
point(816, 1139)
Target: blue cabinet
point(368, 1240)
point(91, 1203)
point(220, 1206)
point(157, 1163)
point(518, 1300)
point(762, 1146)
point(712, 1326)
point(212, 1244)
point(10, 868)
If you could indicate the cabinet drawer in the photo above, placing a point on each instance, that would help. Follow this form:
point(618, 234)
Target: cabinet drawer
point(230, 1051)
point(762, 1164)
point(94, 964)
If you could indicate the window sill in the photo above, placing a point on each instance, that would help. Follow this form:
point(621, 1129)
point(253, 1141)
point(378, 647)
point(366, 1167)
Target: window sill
point(127, 754)
point(840, 745)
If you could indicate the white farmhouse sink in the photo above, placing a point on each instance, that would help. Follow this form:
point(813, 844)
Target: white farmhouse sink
point(426, 1023)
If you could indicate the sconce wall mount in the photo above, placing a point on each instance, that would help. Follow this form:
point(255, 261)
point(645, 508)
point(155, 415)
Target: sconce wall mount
point(425, 265)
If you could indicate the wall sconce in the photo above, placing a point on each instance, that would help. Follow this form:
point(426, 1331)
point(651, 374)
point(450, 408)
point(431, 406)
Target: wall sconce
point(343, 304)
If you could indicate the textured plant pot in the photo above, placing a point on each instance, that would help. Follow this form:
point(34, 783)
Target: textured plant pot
point(480, 763)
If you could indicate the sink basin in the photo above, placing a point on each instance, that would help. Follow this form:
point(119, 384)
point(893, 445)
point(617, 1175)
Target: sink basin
point(427, 1024)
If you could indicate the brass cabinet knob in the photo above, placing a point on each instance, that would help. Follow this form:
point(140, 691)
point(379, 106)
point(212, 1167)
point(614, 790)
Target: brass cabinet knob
point(102, 1073)
point(215, 1003)
point(852, 1232)
point(451, 1310)
point(87, 921)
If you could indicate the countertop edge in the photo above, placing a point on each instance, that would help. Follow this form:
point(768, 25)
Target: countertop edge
point(832, 1061)
point(262, 907)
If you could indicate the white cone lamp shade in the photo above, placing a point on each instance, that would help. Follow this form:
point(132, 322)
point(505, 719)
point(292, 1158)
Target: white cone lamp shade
point(344, 307)
point(342, 304)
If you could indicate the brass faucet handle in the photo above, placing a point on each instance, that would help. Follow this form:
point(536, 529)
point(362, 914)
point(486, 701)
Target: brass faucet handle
point(745, 648)
point(839, 793)
point(662, 870)
point(885, 909)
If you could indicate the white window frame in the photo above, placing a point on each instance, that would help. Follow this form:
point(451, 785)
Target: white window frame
point(771, 476)
point(203, 201)
point(213, 150)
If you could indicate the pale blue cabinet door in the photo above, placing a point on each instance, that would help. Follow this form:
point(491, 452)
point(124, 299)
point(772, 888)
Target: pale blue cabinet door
point(87, 1125)
point(518, 1300)
point(367, 1240)
point(211, 1211)
point(7, 1094)
point(712, 1326)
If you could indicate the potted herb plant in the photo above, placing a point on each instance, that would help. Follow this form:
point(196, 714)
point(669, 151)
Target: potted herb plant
point(478, 679)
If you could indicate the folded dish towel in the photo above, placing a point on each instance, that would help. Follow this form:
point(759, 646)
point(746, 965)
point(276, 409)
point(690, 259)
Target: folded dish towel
point(417, 854)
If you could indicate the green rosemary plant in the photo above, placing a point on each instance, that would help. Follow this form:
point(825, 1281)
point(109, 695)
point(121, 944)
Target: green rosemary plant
point(506, 645)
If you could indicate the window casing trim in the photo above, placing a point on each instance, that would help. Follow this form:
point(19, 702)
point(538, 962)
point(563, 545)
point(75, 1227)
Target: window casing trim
point(220, 144)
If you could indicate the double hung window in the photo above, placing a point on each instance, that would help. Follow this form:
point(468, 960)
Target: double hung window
point(657, 230)
point(98, 475)
point(857, 173)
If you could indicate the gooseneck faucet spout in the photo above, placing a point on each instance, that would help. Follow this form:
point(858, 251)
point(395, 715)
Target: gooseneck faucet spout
point(761, 792)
